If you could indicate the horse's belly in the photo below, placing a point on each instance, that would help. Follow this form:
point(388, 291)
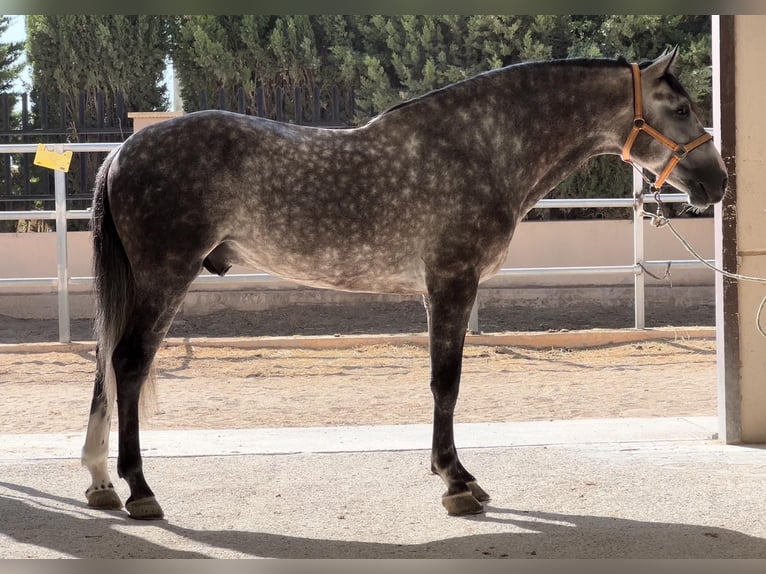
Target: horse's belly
point(389, 283)
point(341, 270)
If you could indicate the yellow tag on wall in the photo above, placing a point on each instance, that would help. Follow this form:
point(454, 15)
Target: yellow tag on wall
point(53, 160)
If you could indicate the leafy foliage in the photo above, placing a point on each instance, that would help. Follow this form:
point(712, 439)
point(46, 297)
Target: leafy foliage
point(124, 55)
point(10, 52)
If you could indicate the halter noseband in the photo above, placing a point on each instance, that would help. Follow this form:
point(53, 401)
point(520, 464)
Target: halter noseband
point(680, 151)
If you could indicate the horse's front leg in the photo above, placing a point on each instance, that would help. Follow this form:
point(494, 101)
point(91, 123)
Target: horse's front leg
point(449, 306)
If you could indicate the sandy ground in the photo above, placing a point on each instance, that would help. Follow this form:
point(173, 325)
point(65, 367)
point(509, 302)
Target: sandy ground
point(406, 316)
point(214, 388)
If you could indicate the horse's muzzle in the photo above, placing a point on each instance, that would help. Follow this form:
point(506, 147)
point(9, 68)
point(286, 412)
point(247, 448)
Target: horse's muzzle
point(703, 193)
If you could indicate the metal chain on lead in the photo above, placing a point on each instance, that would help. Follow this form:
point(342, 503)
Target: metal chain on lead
point(666, 275)
point(659, 220)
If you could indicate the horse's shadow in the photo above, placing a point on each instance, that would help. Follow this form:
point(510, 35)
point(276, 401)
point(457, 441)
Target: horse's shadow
point(35, 518)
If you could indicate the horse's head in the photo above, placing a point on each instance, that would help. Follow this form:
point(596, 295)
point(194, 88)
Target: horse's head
point(678, 151)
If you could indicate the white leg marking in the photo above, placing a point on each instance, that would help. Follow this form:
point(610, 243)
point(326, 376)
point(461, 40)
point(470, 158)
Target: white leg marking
point(100, 493)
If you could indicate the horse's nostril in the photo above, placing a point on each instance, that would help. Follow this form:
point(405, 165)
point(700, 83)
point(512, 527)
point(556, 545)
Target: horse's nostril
point(717, 195)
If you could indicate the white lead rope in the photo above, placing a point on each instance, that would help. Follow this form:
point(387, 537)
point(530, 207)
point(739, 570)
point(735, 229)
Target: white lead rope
point(659, 220)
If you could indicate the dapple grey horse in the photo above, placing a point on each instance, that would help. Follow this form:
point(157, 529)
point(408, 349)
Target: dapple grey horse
point(423, 199)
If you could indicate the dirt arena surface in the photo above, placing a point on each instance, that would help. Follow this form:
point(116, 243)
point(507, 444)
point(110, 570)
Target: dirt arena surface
point(406, 316)
point(218, 388)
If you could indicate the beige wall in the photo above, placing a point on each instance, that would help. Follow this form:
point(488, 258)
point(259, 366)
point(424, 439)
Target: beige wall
point(750, 65)
point(536, 244)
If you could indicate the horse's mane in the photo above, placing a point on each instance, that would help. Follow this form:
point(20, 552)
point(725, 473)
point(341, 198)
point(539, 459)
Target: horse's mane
point(586, 62)
point(620, 61)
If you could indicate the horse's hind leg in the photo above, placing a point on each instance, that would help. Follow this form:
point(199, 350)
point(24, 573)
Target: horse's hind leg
point(149, 315)
point(132, 360)
point(100, 493)
point(449, 305)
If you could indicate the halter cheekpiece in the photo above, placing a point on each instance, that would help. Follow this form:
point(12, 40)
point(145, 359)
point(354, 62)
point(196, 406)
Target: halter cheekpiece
point(680, 151)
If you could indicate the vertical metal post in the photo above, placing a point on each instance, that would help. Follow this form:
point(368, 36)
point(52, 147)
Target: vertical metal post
point(638, 251)
point(61, 252)
point(473, 320)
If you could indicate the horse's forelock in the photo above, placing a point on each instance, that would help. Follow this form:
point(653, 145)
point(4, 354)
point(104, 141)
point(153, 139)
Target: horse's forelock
point(676, 86)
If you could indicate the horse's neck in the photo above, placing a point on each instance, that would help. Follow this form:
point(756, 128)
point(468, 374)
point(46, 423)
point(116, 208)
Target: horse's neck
point(559, 112)
point(535, 124)
point(573, 104)
point(562, 116)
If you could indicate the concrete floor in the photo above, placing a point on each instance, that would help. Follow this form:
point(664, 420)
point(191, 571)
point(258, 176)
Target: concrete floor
point(624, 488)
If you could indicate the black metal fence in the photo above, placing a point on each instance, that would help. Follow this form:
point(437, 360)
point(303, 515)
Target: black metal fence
point(25, 186)
point(330, 107)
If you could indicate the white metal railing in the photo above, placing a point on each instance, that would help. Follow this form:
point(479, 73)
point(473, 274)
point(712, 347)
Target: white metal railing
point(62, 281)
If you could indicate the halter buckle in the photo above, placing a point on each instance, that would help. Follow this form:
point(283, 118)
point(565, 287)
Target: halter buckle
point(680, 152)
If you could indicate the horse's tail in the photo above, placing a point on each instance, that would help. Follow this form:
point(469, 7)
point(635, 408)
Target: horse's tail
point(114, 281)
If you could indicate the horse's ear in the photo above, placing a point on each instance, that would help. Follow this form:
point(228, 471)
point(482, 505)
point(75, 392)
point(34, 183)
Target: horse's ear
point(665, 64)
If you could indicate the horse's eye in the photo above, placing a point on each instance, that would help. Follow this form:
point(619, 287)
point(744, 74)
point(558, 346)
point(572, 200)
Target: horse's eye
point(683, 111)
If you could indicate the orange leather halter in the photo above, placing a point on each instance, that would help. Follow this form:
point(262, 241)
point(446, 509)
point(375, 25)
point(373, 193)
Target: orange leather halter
point(680, 151)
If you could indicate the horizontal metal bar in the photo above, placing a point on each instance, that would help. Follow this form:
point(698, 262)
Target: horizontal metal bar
point(264, 277)
point(75, 147)
point(684, 263)
point(33, 282)
point(601, 270)
point(601, 202)
point(545, 203)
point(235, 278)
point(13, 215)
point(72, 214)
point(667, 198)
point(542, 204)
point(626, 202)
point(517, 271)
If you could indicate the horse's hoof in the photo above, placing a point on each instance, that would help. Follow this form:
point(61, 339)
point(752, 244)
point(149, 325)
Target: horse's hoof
point(145, 509)
point(461, 504)
point(478, 492)
point(106, 499)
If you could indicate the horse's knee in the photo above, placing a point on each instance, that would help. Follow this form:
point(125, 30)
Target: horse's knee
point(445, 397)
